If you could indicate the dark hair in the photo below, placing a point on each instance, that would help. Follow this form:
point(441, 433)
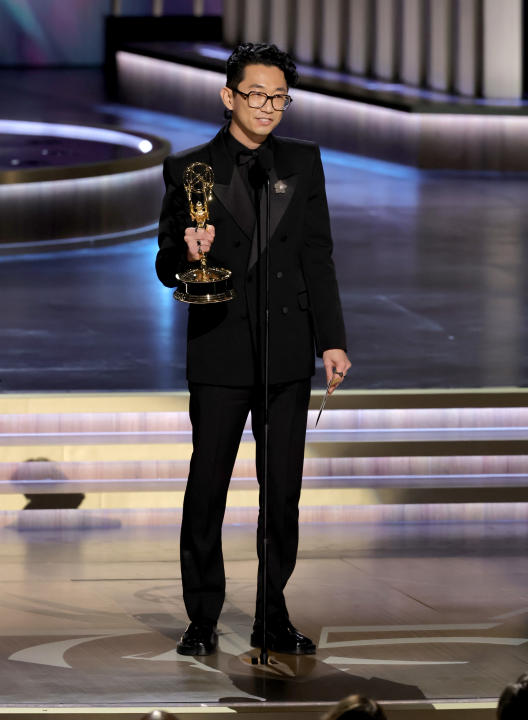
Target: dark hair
point(513, 703)
point(356, 707)
point(259, 54)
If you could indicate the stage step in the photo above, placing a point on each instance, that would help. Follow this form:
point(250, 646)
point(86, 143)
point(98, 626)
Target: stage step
point(133, 450)
point(355, 432)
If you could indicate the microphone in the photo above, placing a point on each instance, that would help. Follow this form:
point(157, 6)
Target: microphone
point(259, 173)
point(265, 161)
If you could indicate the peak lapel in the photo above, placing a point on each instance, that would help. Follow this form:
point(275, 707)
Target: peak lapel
point(282, 189)
point(229, 187)
point(284, 177)
point(281, 193)
point(235, 198)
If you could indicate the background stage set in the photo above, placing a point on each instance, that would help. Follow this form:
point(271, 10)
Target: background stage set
point(412, 573)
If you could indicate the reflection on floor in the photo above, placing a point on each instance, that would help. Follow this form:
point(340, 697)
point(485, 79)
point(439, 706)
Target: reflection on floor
point(431, 269)
point(403, 612)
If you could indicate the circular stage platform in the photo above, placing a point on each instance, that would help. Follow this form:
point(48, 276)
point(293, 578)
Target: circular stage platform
point(73, 183)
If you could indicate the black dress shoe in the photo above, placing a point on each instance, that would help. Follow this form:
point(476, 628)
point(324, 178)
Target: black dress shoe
point(283, 638)
point(198, 639)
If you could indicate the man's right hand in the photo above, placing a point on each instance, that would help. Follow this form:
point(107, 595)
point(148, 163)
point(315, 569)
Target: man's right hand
point(198, 239)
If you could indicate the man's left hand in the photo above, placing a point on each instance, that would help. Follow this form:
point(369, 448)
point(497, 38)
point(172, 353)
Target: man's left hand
point(336, 365)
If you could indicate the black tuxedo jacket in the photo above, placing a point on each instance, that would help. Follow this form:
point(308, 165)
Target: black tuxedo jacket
point(223, 343)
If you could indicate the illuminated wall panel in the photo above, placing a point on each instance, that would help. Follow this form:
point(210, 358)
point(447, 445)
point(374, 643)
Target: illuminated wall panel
point(385, 37)
point(412, 42)
point(232, 21)
point(440, 45)
point(331, 53)
point(358, 44)
point(306, 32)
point(454, 141)
point(467, 46)
point(255, 15)
point(467, 49)
point(281, 20)
point(502, 50)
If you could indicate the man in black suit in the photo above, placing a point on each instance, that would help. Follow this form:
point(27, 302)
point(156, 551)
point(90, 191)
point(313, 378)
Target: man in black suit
point(224, 349)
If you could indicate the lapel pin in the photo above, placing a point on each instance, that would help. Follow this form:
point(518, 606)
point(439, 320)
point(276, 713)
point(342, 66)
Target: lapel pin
point(280, 187)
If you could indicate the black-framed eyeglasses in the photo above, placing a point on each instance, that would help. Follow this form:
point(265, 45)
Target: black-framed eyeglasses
point(256, 99)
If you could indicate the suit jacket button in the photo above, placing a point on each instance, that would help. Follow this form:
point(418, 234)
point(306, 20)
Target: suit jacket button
point(279, 274)
point(237, 243)
point(285, 310)
point(284, 238)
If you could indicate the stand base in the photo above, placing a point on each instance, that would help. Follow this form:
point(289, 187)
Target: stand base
point(271, 665)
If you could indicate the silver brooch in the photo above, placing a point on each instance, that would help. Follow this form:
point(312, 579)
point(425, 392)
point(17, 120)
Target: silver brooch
point(280, 187)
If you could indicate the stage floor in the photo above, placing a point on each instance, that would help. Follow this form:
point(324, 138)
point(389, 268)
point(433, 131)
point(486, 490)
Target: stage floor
point(417, 613)
point(431, 267)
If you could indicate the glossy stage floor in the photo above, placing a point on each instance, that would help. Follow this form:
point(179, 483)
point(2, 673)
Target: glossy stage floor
point(431, 269)
point(423, 616)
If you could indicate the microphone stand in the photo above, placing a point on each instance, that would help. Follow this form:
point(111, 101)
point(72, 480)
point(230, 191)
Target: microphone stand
point(264, 649)
point(270, 664)
point(262, 169)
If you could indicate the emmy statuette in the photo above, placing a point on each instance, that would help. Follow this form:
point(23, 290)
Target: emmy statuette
point(204, 284)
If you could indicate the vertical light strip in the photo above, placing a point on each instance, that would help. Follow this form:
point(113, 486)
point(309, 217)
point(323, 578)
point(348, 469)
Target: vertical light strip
point(359, 32)
point(254, 20)
point(304, 44)
point(331, 34)
point(502, 51)
point(411, 60)
point(385, 39)
point(231, 22)
point(198, 8)
point(439, 35)
point(157, 7)
point(281, 17)
point(467, 45)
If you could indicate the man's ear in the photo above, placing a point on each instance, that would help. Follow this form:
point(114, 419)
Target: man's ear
point(227, 97)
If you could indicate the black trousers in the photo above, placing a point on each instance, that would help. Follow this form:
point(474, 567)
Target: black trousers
point(218, 415)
